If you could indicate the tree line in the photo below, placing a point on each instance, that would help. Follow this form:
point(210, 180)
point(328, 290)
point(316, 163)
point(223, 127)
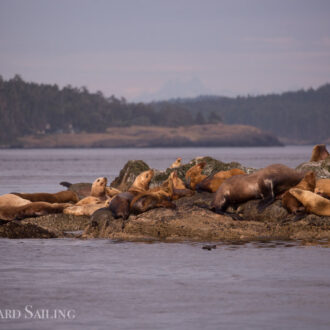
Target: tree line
point(28, 108)
point(300, 116)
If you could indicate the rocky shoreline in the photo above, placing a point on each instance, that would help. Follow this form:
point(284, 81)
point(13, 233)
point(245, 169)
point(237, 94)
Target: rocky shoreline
point(190, 221)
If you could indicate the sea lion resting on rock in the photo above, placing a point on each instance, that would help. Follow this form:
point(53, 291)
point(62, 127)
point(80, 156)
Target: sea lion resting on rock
point(86, 209)
point(120, 204)
point(194, 175)
point(319, 152)
point(172, 189)
point(264, 183)
point(177, 163)
point(97, 194)
point(214, 181)
point(14, 207)
point(323, 188)
point(291, 203)
point(312, 202)
point(59, 197)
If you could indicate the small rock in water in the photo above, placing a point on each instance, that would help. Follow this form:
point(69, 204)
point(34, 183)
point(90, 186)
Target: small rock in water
point(209, 247)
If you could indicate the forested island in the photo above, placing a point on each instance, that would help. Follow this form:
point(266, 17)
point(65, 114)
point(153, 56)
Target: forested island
point(44, 115)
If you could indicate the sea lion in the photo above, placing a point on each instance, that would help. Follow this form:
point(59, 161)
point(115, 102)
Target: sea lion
point(323, 188)
point(97, 194)
point(177, 163)
point(12, 200)
point(264, 183)
point(194, 175)
point(59, 197)
point(82, 189)
point(312, 202)
point(86, 209)
point(120, 204)
point(290, 202)
point(32, 209)
point(213, 181)
point(177, 187)
point(319, 152)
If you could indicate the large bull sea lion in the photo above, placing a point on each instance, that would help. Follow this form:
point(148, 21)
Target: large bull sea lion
point(265, 183)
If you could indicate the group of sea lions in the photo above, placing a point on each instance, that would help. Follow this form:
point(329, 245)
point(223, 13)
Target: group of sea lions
point(299, 191)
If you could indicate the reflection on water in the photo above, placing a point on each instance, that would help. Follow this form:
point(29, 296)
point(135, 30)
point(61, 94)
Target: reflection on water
point(166, 286)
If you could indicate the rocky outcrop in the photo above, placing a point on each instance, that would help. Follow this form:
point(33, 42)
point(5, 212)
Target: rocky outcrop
point(191, 220)
point(320, 168)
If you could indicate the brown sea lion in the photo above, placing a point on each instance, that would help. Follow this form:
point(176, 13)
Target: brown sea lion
point(323, 188)
point(97, 194)
point(319, 152)
point(291, 203)
point(214, 181)
point(312, 202)
point(120, 204)
point(59, 197)
point(264, 183)
point(177, 187)
point(32, 209)
point(177, 163)
point(194, 175)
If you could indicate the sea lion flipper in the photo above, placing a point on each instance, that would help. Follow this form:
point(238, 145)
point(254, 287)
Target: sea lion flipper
point(66, 184)
point(264, 203)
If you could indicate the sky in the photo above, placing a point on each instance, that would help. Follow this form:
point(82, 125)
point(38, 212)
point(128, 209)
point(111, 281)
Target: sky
point(146, 50)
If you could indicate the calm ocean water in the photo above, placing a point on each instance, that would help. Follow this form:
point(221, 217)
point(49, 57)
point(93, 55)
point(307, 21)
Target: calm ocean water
point(101, 284)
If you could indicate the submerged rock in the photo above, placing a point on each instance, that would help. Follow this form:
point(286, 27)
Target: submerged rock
point(15, 229)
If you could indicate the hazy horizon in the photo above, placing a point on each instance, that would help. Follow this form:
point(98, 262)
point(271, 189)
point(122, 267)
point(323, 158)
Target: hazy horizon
point(151, 50)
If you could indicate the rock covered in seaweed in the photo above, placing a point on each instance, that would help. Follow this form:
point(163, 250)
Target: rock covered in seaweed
point(320, 168)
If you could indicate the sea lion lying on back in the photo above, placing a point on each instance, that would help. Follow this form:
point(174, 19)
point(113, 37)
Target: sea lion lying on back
point(312, 202)
point(291, 203)
point(59, 197)
point(264, 183)
point(319, 152)
point(214, 181)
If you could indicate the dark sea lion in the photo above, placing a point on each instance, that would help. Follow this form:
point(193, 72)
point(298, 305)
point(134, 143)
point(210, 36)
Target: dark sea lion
point(82, 189)
point(319, 152)
point(59, 197)
point(265, 183)
point(291, 203)
point(312, 202)
point(120, 204)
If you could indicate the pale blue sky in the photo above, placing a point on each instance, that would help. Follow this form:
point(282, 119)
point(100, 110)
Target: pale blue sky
point(146, 49)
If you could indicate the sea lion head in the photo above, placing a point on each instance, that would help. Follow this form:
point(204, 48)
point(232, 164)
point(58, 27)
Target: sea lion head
point(142, 181)
point(99, 187)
